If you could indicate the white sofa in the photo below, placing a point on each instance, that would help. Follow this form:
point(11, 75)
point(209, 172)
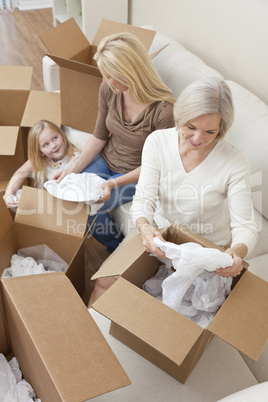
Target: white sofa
point(178, 68)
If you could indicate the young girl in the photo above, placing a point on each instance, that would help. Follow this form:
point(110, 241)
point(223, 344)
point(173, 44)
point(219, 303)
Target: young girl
point(49, 151)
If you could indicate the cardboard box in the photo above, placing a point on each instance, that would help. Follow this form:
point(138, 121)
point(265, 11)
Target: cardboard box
point(60, 349)
point(44, 219)
point(79, 77)
point(20, 108)
point(159, 333)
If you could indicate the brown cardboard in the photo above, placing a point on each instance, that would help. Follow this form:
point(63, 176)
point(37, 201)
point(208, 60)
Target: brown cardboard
point(20, 108)
point(44, 219)
point(60, 349)
point(79, 77)
point(162, 335)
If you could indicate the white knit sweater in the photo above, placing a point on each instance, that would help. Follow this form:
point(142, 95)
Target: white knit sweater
point(214, 199)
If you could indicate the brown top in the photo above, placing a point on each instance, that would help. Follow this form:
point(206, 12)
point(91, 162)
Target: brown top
point(123, 149)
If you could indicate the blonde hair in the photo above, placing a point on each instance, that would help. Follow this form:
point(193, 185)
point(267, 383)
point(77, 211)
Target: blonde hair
point(123, 57)
point(209, 96)
point(38, 161)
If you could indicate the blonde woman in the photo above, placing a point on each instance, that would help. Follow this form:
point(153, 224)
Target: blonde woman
point(49, 151)
point(133, 102)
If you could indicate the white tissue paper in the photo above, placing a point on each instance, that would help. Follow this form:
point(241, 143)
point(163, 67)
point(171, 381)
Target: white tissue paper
point(193, 289)
point(12, 387)
point(81, 187)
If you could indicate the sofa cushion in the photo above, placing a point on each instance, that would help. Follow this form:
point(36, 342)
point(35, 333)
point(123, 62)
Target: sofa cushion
point(177, 66)
point(250, 133)
point(256, 393)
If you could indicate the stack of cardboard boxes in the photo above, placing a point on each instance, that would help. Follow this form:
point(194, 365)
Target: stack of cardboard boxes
point(43, 320)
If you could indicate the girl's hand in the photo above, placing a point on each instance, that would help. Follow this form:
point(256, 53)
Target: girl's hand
point(148, 233)
point(233, 270)
point(11, 201)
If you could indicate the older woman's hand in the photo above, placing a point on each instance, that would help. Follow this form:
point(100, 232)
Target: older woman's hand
point(148, 233)
point(233, 270)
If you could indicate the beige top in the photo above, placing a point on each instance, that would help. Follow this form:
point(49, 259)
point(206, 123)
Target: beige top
point(123, 149)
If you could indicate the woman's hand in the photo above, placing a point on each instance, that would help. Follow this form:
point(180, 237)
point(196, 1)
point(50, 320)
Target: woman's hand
point(233, 270)
point(148, 233)
point(58, 176)
point(107, 188)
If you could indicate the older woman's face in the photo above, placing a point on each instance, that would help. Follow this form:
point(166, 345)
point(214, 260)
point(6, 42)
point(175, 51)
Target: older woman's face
point(200, 132)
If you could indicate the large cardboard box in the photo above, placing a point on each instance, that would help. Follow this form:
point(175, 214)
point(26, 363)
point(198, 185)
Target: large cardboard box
point(60, 349)
point(20, 108)
point(79, 77)
point(44, 219)
point(159, 333)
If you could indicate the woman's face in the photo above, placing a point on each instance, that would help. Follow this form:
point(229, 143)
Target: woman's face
point(118, 87)
point(201, 132)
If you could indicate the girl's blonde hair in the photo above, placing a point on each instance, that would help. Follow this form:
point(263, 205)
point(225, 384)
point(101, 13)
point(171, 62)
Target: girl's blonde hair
point(209, 96)
point(123, 57)
point(40, 162)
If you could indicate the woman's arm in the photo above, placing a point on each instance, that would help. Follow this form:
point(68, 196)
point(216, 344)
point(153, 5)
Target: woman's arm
point(16, 181)
point(91, 150)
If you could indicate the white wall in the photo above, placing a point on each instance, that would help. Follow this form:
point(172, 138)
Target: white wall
point(229, 35)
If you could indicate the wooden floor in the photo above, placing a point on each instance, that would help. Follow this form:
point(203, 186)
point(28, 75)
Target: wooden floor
point(19, 40)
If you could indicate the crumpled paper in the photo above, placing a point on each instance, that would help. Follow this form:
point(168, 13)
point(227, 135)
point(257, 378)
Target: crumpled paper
point(12, 387)
point(79, 187)
point(193, 289)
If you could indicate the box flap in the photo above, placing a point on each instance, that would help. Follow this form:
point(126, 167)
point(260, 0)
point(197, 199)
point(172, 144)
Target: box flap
point(15, 77)
point(65, 40)
point(8, 140)
point(40, 209)
point(242, 321)
point(138, 312)
point(118, 263)
point(76, 66)
point(8, 244)
point(59, 347)
point(108, 27)
point(4, 340)
point(42, 105)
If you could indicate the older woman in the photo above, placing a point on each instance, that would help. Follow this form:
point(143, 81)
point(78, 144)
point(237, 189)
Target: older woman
point(200, 178)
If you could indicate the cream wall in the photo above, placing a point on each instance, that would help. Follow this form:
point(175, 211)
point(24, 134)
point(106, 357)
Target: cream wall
point(234, 30)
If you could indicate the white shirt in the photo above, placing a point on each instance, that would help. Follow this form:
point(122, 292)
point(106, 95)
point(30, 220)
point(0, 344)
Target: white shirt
point(64, 163)
point(214, 199)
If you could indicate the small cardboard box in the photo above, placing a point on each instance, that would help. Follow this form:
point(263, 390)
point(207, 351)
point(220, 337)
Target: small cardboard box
point(165, 337)
point(79, 77)
point(20, 108)
point(60, 349)
point(44, 219)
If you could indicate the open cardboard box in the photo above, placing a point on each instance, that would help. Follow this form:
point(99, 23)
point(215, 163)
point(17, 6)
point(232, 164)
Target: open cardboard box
point(159, 333)
point(44, 219)
point(60, 349)
point(20, 108)
point(79, 76)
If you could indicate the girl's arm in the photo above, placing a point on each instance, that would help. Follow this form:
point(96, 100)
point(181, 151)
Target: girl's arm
point(91, 150)
point(16, 181)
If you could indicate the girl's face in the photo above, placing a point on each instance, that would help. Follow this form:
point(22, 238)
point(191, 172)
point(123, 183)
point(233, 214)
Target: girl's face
point(51, 144)
point(201, 132)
